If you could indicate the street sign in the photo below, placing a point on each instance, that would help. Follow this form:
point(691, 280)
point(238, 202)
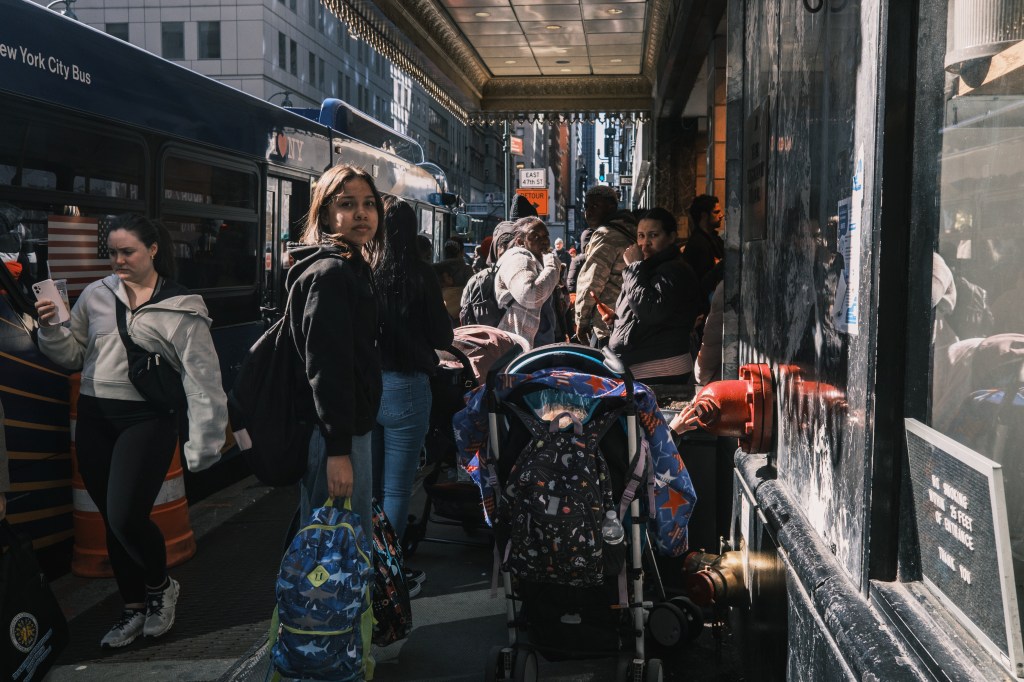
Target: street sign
point(516, 145)
point(534, 178)
point(538, 198)
point(625, 179)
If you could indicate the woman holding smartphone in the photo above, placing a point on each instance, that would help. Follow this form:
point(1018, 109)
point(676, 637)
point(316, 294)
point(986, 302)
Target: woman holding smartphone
point(125, 444)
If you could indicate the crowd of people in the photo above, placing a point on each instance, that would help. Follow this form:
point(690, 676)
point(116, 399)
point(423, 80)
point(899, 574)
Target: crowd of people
point(367, 310)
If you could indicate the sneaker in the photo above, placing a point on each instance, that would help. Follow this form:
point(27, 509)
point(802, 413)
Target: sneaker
point(160, 609)
point(413, 575)
point(127, 629)
point(414, 588)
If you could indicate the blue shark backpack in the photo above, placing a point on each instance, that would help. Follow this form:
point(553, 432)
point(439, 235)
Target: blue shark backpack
point(324, 617)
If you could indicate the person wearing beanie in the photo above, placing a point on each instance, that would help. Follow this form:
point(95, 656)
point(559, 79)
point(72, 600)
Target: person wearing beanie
point(527, 275)
point(521, 208)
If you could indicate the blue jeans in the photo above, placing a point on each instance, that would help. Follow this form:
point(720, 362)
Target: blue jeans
point(402, 423)
point(313, 488)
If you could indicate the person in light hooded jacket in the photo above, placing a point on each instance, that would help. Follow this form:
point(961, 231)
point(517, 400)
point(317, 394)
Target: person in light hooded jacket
point(125, 444)
point(527, 275)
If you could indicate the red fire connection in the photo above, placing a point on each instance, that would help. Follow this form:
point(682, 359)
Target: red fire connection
point(743, 408)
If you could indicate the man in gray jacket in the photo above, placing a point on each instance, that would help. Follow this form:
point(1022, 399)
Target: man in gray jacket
point(601, 273)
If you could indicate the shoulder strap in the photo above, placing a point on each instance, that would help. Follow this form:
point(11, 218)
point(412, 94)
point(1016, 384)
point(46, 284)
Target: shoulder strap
point(122, 328)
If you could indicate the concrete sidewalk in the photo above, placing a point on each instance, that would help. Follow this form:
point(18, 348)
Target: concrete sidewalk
point(226, 600)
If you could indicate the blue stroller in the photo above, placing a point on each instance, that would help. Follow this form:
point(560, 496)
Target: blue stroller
point(567, 462)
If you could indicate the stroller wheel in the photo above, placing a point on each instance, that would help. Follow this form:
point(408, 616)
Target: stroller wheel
point(498, 666)
point(667, 624)
point(652, 671)
point(694, 616)
point(525, 668)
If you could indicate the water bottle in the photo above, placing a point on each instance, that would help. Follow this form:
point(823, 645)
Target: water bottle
point(614, 550)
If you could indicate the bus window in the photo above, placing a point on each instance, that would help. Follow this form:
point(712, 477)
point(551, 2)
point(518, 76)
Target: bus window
point(210, 210)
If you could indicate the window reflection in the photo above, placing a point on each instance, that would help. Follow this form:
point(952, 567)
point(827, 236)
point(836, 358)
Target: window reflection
point(977, 288)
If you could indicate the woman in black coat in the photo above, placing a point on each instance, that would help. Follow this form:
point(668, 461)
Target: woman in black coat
point(658, 305)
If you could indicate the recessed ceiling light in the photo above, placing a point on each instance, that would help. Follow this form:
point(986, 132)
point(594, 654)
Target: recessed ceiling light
point(615, 10)
point(561, 50)
point(562, 61)
point(615, 61)
point(566, 70)
point(481, 14)
point(510, 61)
point(552, 27)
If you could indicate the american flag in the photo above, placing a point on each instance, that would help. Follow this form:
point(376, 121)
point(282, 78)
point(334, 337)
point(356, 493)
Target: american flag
point(78, 250)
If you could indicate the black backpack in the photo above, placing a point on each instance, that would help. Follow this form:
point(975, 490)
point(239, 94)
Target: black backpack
point(482, 304)
point(554, 502)
point(271, 405)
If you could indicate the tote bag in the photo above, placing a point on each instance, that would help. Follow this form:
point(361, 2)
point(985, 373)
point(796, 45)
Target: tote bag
point(32, 626)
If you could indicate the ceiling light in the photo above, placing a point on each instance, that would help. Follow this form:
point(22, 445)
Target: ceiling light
point(562, 61)
point(510, 61)
point(615, 10)
point(615, 61)
point(481, 14)
point(566, 70)
point(561, 50)
point(552, 27)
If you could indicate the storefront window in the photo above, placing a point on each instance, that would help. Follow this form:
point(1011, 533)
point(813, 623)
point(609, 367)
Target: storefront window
point(977, 286)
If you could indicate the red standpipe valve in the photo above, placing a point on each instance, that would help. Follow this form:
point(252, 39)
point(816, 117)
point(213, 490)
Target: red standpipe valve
point(742, 408)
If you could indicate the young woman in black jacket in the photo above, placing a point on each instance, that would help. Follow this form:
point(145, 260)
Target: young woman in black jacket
point(658, 305)
point(332, 312)
point(414, 321)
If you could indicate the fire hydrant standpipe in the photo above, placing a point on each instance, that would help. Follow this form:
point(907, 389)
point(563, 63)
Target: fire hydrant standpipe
point(742, 408)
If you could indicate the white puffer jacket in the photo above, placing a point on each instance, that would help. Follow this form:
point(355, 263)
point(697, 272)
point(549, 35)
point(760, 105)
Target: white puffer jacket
point(521, 287)
point(176, 326)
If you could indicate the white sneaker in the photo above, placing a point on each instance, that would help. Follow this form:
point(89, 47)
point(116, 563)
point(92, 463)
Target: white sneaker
point(127, 629)
point(160, 609)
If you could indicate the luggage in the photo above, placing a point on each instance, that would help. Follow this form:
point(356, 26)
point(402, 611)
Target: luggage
point(391, 608)
point(33, 628)
point(324, 617)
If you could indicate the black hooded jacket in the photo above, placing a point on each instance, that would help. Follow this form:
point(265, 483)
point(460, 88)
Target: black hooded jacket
point(332, 311)
point(656, 309)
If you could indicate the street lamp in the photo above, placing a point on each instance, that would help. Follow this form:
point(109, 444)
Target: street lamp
point(286, 102)
point(68, 10)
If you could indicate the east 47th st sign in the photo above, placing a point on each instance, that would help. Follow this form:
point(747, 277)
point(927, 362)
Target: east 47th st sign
point(533, 178)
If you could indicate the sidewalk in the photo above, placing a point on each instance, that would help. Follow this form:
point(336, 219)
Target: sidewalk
point(226, 596)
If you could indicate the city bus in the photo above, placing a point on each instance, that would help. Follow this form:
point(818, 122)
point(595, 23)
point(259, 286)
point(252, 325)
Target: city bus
point(94, 127)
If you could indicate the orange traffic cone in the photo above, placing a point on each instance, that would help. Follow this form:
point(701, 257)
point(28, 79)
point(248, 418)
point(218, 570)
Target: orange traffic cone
point(89, 557)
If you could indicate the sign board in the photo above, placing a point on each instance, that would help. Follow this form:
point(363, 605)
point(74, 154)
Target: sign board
point(964, 536)
point(539, 199)
point(625, 179)
point(755, 174)
point(533, 178)
point(516, 145)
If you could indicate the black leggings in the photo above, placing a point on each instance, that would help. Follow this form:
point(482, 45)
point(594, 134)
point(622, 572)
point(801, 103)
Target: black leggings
point(124, 451)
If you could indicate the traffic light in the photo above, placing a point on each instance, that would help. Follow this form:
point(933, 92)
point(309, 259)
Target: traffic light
point(581, 182)
point(600, 173)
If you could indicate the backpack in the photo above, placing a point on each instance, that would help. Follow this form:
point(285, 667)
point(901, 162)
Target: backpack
point(392, 612)
point(271, 408)
point(481, 302)
point(323, 616)
point(554, 502)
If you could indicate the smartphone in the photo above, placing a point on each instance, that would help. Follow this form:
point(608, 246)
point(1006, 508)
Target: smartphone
point(47, 289)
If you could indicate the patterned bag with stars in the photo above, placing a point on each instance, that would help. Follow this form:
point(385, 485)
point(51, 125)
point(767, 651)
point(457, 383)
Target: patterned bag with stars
point(554, 501)
point(324, 616)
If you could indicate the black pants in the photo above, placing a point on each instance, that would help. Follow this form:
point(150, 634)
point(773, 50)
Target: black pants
point(124, 450)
